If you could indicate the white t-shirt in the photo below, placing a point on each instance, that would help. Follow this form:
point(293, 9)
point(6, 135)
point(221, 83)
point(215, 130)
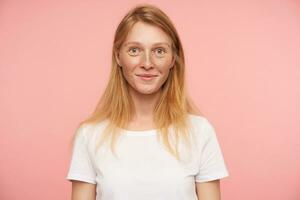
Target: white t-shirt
point(144, 169)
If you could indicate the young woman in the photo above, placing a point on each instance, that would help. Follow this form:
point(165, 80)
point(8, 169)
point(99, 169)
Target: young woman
point(146, 140)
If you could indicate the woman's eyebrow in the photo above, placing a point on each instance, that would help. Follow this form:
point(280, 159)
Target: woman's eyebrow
point(155, 44)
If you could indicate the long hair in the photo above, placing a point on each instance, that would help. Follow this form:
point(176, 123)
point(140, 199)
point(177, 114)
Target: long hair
point(174, 105)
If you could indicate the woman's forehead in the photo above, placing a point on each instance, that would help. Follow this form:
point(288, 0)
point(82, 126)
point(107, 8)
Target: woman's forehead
point(153, 44)
point(143, 33)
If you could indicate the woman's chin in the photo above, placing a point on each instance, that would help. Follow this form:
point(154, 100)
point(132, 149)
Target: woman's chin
point(146, 91)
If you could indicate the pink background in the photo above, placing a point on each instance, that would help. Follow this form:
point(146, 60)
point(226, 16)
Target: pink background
point(243, 70)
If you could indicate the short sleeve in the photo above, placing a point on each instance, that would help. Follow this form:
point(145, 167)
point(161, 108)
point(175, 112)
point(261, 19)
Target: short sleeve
point(81, 167)
point(212, 165)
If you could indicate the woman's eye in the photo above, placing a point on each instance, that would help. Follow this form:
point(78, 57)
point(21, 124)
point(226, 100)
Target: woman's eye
point(160, 51)
point(133, 51)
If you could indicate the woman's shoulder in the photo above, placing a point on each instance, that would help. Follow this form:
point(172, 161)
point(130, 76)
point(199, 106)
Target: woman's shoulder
point(90, 129)
point(201, 125)
point(198, 119)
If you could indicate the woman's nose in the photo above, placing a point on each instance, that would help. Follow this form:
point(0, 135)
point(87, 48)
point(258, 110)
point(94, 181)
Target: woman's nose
point(147, 60)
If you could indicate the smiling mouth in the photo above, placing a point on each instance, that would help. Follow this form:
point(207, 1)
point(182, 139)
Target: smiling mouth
point(146, 77)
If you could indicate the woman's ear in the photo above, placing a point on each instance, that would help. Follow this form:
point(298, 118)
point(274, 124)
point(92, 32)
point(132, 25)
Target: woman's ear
point(173, 62)
point(116, 54)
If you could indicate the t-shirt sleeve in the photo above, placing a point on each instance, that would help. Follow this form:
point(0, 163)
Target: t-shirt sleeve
point(212, 165)
point(81, 167)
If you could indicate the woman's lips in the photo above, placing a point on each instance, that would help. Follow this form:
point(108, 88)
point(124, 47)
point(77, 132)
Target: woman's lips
point(146, 77)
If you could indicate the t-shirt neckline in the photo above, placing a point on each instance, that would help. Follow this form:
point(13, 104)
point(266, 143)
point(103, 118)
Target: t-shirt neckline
point(140, 133)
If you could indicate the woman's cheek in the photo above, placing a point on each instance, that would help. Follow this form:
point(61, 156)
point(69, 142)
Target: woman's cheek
point(132, 59)
point(164, 64)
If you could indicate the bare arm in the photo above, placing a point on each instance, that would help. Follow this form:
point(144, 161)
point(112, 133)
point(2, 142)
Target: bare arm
point(208, 190)
point(83, 191)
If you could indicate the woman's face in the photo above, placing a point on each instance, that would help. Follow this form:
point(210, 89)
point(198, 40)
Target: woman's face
point(146, 58)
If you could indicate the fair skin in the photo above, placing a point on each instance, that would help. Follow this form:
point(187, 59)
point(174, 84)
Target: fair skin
point(83, 191)
point(146, 50)
point(209, 190)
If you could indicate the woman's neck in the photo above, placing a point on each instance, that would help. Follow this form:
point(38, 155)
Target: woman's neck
point(144, 104)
